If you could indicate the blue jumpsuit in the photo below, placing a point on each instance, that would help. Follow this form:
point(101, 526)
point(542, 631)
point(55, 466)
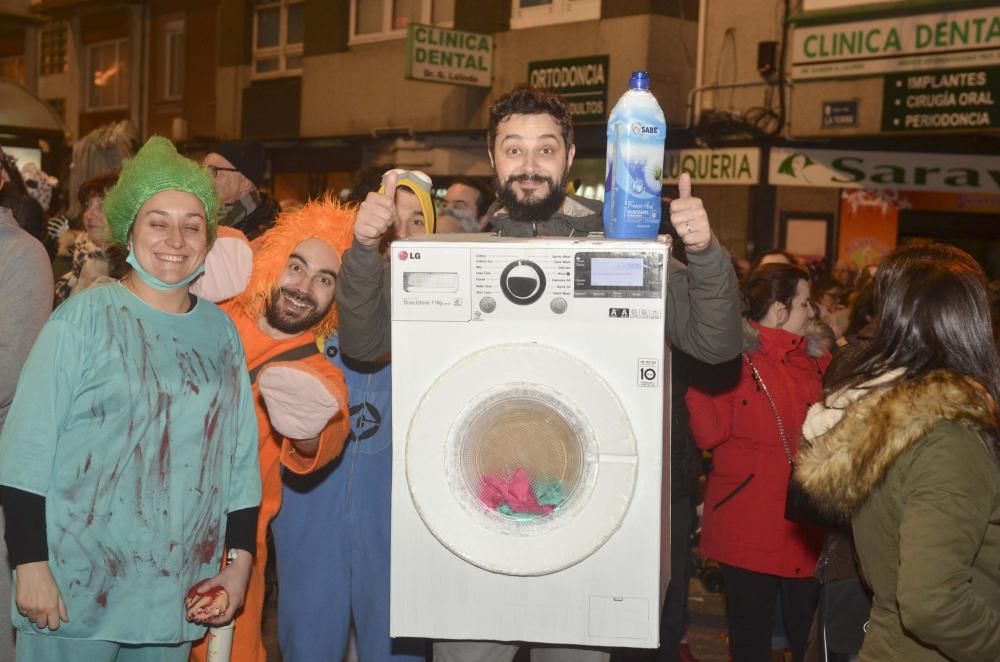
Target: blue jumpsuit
point(332, 536)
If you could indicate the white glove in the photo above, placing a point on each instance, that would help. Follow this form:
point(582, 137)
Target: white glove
point(56, 226)
point(298, 403)
point(228, 267)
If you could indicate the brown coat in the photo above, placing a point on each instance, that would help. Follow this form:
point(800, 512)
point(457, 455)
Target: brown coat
point(908, 465)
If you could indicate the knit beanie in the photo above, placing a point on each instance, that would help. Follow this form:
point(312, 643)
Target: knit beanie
point(157, 167)
point(419, 183)
point(247, 156)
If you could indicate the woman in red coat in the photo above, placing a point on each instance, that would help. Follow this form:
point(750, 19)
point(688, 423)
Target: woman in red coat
point(744, 529)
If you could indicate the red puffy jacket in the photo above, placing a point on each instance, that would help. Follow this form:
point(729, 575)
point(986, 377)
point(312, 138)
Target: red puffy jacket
point(744, 523)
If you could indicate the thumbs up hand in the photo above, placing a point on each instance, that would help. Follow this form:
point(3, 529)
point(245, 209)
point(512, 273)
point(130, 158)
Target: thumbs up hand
point(689, 218)
point(377, 213)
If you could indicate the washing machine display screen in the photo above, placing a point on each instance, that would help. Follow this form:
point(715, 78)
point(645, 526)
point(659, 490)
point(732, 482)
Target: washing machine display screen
point(616, 272)
point(619, 274)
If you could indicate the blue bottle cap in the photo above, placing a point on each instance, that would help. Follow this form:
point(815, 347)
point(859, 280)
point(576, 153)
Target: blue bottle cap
point(640, 81)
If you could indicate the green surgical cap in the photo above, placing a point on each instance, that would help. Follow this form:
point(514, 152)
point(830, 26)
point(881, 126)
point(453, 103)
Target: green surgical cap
point(157, 167)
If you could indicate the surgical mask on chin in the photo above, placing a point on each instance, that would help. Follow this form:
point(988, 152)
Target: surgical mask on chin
point(155, 282)
point(468, 222)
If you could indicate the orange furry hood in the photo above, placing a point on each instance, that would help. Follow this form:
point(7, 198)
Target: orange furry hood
point(324, 219)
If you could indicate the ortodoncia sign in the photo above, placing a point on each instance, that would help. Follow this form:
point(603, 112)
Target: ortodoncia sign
point(969, 38)
point(907, 171)
point(582, 81)
point(449, 56)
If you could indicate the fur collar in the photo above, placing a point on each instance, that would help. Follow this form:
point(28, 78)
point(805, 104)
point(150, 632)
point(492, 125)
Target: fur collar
point(841, 465)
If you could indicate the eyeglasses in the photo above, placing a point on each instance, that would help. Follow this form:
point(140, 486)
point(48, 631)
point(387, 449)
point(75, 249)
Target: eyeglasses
point(215, 170)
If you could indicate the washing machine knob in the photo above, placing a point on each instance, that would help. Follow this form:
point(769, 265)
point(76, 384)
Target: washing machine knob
point(523, 282)
point(487, 304)
point(558, 305)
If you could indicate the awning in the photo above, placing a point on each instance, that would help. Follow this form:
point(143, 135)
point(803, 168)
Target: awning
point(21, 112)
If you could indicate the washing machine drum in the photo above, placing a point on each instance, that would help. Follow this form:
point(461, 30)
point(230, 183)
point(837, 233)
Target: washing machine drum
point(521, 460)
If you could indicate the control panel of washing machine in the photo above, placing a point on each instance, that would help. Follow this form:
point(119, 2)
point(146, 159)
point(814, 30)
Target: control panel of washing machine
point(617, 275)
point(562, 275)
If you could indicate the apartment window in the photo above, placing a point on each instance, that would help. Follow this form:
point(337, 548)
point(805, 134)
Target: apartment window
point(12, 69)
point(376, 20)
point(107, 75)
point(278, 31)
point(535, 13)
point(173, 59)
point(52, 39)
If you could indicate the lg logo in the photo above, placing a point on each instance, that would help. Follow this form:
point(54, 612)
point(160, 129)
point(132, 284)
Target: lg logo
point(404, 255)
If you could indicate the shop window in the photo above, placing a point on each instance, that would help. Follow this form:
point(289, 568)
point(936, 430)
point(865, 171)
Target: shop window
point(52, 40)
point(535, 13)
point(172, 57)
point(278, 36)
point(12, 69)
point(107, 75)
point(377, 20)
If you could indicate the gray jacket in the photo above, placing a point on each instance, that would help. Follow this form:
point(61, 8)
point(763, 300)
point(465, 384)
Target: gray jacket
point(26, 302)
point(703, 303)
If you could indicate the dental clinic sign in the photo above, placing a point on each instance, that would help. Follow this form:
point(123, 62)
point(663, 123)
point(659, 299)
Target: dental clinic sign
point(968, 38)
point(908, 171)
point(449, 56)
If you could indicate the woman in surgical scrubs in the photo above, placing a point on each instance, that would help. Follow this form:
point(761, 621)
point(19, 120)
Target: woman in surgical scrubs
point(129, 458)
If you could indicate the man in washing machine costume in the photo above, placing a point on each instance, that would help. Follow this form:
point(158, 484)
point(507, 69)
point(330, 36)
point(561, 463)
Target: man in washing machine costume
point(301, 397)
point(530, 143)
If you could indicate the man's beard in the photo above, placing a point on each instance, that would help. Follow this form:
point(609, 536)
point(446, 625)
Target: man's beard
point(285, 318)
point(532, 208)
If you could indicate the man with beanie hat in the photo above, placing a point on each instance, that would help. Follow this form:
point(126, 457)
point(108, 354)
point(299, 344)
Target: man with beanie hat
point(238, 168)
point(128, 460)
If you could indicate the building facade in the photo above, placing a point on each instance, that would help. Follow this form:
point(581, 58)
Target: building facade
point(872, 123)
point(331, 86)
point(835, 128)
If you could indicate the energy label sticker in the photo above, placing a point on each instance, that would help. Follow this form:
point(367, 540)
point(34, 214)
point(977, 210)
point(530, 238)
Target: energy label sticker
point(649, 373)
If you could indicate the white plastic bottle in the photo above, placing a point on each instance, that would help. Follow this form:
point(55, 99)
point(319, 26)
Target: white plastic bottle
point(637, 134)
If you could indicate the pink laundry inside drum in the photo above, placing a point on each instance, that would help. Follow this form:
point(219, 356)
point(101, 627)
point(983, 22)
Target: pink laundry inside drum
point(517, 493)
point(522, 458)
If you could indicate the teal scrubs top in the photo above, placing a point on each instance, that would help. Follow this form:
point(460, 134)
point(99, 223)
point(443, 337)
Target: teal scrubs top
point(138, 428)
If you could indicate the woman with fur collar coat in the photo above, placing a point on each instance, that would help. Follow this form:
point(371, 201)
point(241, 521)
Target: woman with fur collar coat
point(905, 447)
point(744, 529)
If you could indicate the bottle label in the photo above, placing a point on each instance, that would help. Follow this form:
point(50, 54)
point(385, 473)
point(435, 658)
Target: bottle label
point(634, 179)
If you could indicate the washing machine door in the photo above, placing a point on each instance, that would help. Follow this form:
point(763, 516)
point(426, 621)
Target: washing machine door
point(521, 460)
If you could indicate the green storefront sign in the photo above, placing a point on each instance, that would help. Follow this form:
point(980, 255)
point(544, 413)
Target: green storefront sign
point(953, 99)
point(449, 56)
point(582, 81)
point(922, 42)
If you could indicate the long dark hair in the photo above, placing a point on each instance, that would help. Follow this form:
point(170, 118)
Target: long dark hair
point(770, 283)
point(933, 313)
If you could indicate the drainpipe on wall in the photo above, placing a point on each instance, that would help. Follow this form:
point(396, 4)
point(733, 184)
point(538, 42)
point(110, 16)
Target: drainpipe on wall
point(144, 74)
point(699, 67)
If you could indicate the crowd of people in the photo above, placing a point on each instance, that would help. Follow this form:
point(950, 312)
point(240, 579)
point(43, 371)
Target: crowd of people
point(208, 376)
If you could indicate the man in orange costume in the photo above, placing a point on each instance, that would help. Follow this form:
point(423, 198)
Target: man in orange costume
point(300, 396)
